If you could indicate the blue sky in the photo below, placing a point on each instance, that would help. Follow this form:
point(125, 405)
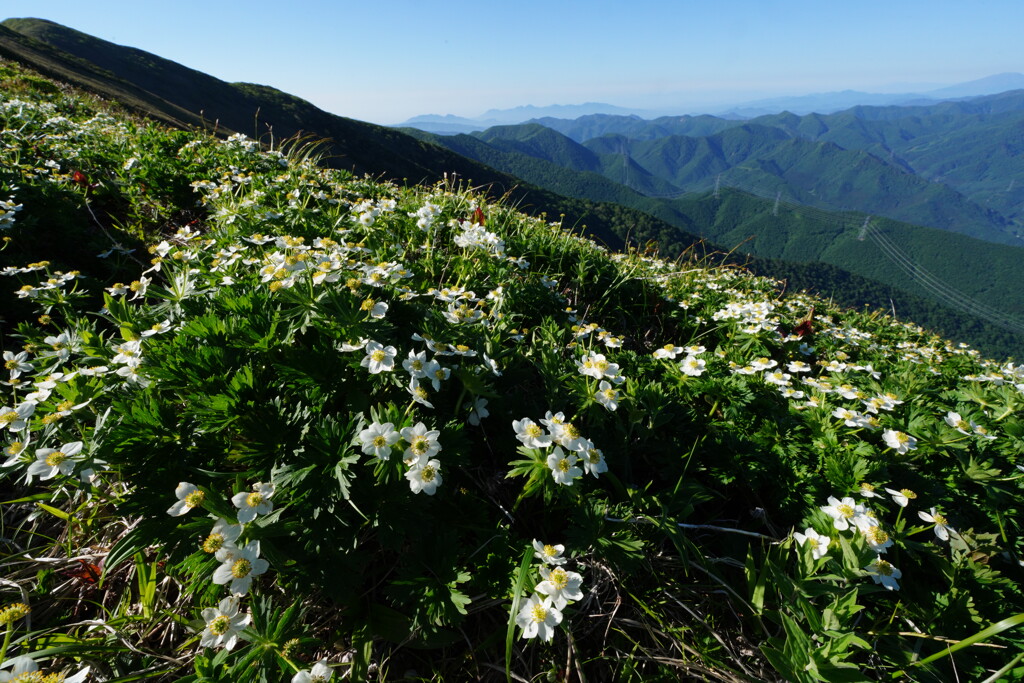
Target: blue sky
point(388, 61)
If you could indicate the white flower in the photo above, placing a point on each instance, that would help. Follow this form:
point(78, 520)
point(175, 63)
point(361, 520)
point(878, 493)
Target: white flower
point(223, 535)
point(240, 565)
point(531, 434)
point(851, 418)
point(898, 441)
point(607, 396)
point(668, 351)
point(424, 477)
point(436, 373)
point(422, 442)
point(17, 363)
point(548, 554)
point(416, 364)
point(563, 466)
point(901, 497)
point(24, 669)
point(223, 624)
point(942, 528)
point(256, 503)
point(867, 490)
point(377, 439)
point(320, 673)
point(379, 358)
point(817, 542)
point(597, 366)
point(51, 461)
point(593, 460)
point(845, 511)
point(419, 393)
point(129, 353)
point(16, 418)
point(560, 585)
point(877, 539)
point(189, 496)
point(693, 366)
point(158, 328)
point(538, 618)
point(884, 573)
point(479, 412)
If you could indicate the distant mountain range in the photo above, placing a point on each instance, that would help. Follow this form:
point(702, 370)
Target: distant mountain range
point(820, 103)
point(543, 170)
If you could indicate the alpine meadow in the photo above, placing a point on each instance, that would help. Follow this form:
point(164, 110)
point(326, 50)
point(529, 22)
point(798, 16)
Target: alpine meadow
point(326, 401)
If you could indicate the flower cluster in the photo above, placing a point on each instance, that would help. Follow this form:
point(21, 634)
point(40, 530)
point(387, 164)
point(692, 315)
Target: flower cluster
point(569, 447)
point(239, 564)
point(542, 611)
point(424, 471)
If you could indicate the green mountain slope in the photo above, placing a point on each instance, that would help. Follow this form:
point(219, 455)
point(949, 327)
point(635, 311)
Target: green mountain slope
point(972, 146)
point(818, 172)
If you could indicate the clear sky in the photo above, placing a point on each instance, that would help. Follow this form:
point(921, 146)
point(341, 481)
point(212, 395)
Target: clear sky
point(389, 60)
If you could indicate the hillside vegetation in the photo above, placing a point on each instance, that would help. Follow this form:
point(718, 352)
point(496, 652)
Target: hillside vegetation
point(289, 423)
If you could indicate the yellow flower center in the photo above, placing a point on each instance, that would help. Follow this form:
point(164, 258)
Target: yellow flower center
point(845, 511)
point(56, 458)
point(559, 578)
point(571, 431)
point(254, 499)
point(15, 448)
point(213, 542)
point(877, 536)
point(538, 614)
point(7, 418)
point(11, 364)
point(563, 465)
point(939, 519)
point(534, 431)
point(883, 567)
point(867, 487)
point(813, 542)
point(195, 499)
point(241, 568)
point(380, 441)
point(550, 550)
point(220, 625)
point(378, 355)
point(419, 445)
point(428, 473)
point(907, 493)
